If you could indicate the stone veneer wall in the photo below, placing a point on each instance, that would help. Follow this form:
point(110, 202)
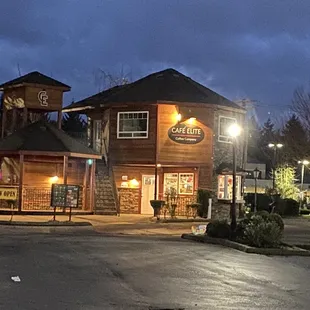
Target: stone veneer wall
point(221, 211)
point(129, 200)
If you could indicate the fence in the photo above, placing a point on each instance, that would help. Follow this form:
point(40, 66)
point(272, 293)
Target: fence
point(182, 202)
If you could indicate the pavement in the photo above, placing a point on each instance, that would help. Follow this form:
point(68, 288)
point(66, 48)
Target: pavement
point(137, 272)
point(117, 225)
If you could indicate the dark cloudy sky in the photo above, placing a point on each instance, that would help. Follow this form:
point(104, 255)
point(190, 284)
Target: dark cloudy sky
point(242, 49)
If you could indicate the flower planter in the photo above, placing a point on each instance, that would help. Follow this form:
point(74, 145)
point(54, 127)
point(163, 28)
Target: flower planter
point(157, 205)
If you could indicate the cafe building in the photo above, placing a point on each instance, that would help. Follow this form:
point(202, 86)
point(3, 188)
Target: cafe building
point(163, 133)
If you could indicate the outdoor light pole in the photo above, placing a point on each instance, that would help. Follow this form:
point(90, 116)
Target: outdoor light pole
point(234, 131)
point(256, 175)
point(275, 147)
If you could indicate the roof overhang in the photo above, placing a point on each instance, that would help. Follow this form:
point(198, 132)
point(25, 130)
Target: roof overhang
point(77, 109)
point(51, 154)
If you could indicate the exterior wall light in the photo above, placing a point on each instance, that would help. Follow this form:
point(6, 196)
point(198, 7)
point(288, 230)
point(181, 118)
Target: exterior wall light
point(179, 117)
point(134, 183)
point(191, 120)
point(90, 161)
point(54, 179)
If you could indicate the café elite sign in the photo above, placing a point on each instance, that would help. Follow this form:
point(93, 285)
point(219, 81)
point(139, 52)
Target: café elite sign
point(181, 133)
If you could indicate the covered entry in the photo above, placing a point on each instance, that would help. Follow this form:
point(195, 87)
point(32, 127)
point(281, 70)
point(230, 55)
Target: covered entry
point(39, 155)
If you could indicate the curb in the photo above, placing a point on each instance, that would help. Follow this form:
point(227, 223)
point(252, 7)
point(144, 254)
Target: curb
point(181, 221)
point(46, 224)
point(295, 251)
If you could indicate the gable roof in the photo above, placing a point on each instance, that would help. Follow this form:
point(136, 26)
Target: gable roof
point(163, 86)
point(34, 77)
point(44, 137)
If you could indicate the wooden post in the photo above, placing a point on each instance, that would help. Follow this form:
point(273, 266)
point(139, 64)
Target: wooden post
point(85, 183)
point(65, 170)
point(3, 120)
point(92, 186)
point(21, 181)
point(59, 119)
point(25, 116)
point(65, 174)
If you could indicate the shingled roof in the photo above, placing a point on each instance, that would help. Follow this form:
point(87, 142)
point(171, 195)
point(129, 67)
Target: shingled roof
point(34, 77)
point(164, 86)
point(44, 137)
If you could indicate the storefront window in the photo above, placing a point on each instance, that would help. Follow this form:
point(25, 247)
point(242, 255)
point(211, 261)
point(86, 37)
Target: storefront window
point(225, 187)
point(170, 182)
point(186, 183)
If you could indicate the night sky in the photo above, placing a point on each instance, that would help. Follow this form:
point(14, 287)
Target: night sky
point(242, 49)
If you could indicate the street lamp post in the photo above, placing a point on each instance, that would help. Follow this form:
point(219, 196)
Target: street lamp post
point(256, 175)
point(234, 131)
point(275, 147)
point(303, 163)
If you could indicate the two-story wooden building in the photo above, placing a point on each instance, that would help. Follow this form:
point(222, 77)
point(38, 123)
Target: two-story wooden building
point(164, 128)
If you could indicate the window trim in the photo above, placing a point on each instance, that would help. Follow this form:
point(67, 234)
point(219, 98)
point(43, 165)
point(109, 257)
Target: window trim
point(222, 138)
point(132, 132)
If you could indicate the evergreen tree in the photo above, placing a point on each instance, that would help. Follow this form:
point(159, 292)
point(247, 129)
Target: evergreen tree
point(74, 125)
point(296, 141)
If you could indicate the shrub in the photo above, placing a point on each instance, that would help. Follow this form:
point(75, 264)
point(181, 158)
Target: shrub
point(273, 217)
point(241, 225)
point(264, 214)
point(261, 233)
point(218, 229)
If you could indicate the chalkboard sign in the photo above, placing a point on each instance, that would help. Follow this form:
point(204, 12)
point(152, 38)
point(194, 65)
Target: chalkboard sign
point(65, 196)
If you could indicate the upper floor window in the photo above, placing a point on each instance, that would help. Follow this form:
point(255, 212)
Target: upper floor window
point(224, 123)
point(132, 125)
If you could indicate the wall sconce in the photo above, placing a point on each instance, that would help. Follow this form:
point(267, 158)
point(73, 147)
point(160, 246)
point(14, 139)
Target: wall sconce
point(54, 179)
point(134, 183)
point(191, 120)
point(158, 165)
point(179, 117)
point(89, 161)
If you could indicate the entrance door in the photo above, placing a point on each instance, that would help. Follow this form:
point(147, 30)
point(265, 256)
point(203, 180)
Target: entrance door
point(148, 191)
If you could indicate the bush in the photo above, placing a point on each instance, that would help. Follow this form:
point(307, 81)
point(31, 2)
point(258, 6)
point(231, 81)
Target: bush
point(218, 229)
point(273, 217)
point(261, 233)
point(264, 214)
point(203, 199)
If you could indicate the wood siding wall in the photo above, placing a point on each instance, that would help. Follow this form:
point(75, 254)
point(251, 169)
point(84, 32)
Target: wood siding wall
point(140, 151)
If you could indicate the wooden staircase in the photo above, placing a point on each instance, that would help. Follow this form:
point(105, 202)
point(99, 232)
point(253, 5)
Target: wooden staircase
point(106, 200)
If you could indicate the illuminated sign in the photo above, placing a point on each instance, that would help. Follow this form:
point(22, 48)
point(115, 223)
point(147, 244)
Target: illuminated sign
point(186, 134)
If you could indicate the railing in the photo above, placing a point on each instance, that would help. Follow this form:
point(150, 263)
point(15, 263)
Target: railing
point(182, 203)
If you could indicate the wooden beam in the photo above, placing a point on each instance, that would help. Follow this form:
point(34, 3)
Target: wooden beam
point(92, 186)
point(25, 116)
point(85, 183)
point(4, 111)
point(21, 182)
point(65, 170)
point(59, 119)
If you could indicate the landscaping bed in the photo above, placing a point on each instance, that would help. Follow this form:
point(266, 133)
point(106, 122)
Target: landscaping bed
point(284, 249)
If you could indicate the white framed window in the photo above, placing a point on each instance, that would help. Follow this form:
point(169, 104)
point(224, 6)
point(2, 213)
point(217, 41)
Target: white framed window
point(132, 125)
point(224, 123)
point(182, 183)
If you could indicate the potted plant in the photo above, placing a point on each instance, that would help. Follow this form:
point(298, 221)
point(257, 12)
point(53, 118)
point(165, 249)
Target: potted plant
point(157, 205)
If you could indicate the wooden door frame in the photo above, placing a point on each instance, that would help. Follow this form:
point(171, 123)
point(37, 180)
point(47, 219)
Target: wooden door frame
point(142, 183)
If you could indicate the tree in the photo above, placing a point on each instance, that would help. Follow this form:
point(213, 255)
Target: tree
point(301, 106)
point(296, 140)
point(285, 182)
point(74, 125)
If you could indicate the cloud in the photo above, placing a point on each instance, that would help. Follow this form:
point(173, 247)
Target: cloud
point(253, 49)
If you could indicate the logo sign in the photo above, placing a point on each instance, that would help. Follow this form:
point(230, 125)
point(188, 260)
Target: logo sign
point(184, 134)
point(42, 96)
point(199, 230)
point(7, 193)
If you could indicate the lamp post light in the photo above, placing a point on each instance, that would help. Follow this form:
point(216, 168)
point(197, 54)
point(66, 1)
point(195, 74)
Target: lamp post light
point(256, 175)
point(303, 164)
point(234, 131)
point(275, 147)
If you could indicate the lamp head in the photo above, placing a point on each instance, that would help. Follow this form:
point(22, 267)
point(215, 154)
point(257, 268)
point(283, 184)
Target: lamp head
point(234, 130)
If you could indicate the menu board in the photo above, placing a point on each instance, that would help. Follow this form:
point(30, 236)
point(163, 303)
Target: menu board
point(65, 196)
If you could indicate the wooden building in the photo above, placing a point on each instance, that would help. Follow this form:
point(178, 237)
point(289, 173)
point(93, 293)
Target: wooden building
point(163, 132)
point(35, 154)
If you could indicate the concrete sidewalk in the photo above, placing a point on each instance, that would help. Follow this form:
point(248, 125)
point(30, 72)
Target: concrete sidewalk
point(117, 225)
